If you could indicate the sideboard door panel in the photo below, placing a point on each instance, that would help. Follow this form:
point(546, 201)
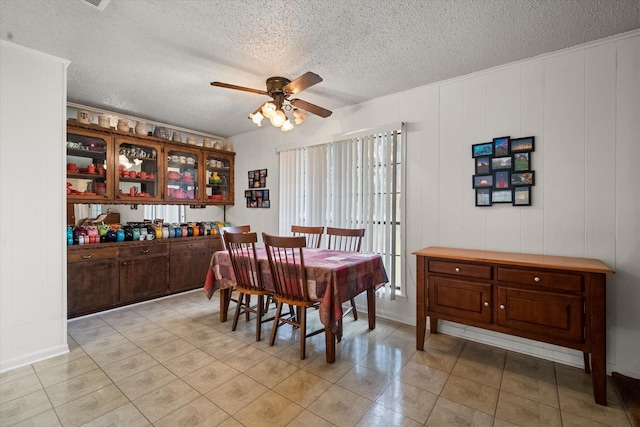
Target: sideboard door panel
point(541, 313)
point(460, 298)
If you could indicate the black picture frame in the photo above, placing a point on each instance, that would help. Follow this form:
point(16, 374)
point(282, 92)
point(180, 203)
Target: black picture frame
point(521, 145)
point(498, 163)
point(501, 196)
point(483, 196)
point(522, 196)
point(501, 180)
point(483, 165)
point(257, 178)
point(482, 150)
point(501, 146)
point(482, 181)
point(257, 198)
point(522, 161)
point(522, 178)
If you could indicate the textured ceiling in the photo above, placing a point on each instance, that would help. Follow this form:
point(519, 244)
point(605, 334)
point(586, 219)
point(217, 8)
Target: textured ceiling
point(155, 58)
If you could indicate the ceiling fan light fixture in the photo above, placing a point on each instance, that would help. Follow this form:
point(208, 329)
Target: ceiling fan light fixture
point(256, 118)
point(278, 118)
point(286, 126)
point(280, 89)
point(299, 116)
point(268, 109)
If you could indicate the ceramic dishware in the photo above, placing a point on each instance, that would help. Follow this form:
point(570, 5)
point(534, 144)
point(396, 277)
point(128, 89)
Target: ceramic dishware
point(123, 125)
point(104, 121)
point(141, 128)
point(84, 117)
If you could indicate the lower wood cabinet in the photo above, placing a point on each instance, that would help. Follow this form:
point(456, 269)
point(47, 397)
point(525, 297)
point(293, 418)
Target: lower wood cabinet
point(189, 263)
point(144, 271)
point(557, 300)
point(92, 280)
point(108, 275)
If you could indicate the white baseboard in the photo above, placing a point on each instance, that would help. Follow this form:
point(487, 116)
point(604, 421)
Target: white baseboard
point(28, 359)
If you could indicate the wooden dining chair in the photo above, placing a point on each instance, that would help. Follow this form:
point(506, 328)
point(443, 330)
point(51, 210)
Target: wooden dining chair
point(313, 235)
point(289, 278)
point(349, 240)
point(242, 252)
point(233, 229)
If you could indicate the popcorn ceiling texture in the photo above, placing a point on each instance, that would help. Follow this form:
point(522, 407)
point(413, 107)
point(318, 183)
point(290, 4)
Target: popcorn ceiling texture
point(155, 58)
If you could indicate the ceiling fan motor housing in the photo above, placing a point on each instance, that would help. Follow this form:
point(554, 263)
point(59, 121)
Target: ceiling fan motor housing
point(275, 85)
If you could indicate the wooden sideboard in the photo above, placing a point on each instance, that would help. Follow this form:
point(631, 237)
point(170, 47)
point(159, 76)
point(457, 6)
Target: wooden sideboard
point(108, 275)
point(557, 300)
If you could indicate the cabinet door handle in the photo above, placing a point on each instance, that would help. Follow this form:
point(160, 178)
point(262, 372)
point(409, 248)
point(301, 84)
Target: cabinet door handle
point(87, 256)
point(486, 303)
point(457, 269)
point(536, 279)
point(502, 307)
point(144, 251)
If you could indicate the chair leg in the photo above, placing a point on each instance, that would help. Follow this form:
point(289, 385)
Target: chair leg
point(276, 320)
point(355, 312)
point(302, 314)
point(236, 316)
point(259, 313)
point(247, 301)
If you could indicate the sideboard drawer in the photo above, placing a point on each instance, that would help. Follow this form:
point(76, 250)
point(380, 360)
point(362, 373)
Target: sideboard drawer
point(143, 250)
point(461, 269)
point(547, 279)
point(91, 252)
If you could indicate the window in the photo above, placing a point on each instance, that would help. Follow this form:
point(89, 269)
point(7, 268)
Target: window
point(352, 183)
point(168, 213)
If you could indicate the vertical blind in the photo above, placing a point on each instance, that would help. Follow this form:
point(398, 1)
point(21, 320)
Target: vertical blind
point(351, 183)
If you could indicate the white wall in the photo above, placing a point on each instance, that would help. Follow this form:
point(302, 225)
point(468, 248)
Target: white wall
point(33, 294)
point(583, 107)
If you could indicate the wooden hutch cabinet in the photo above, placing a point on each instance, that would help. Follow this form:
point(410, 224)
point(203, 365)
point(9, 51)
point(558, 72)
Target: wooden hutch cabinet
point(111, 167)
point(107, 166)
point(557, 300)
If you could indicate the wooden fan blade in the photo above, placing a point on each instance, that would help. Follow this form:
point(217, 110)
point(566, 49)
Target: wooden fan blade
point(245, 89)
point(303, 82)
point(311, 108)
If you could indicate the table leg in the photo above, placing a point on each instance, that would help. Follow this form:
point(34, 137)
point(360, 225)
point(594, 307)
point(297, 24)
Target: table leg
point(598, 328)
point(371, 307)
point(330, 344)
point(225, 298)
point(421, 301)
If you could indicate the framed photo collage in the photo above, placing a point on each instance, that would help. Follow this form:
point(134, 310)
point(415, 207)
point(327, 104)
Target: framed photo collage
point(503, 172)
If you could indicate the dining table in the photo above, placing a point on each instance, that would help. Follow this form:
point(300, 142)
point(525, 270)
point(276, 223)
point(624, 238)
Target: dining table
point(333, 277)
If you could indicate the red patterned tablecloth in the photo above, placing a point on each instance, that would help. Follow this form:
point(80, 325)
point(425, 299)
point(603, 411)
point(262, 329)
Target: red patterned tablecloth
point(344, 274)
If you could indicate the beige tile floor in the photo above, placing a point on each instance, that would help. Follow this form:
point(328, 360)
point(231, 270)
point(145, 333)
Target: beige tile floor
point(171, 362)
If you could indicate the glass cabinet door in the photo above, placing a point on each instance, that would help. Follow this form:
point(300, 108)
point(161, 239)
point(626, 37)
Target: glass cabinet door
point(218, 177)
point(182, 175)
point(138, 168)
point(88, 157)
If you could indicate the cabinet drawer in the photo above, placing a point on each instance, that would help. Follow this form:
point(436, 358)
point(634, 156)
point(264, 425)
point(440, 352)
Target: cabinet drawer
point(460, 269)
point(90, 253)
point(189, 245)
point(547, 279)
point(143, 250)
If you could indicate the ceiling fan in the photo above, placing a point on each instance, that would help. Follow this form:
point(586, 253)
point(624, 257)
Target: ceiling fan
point(280, 90)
